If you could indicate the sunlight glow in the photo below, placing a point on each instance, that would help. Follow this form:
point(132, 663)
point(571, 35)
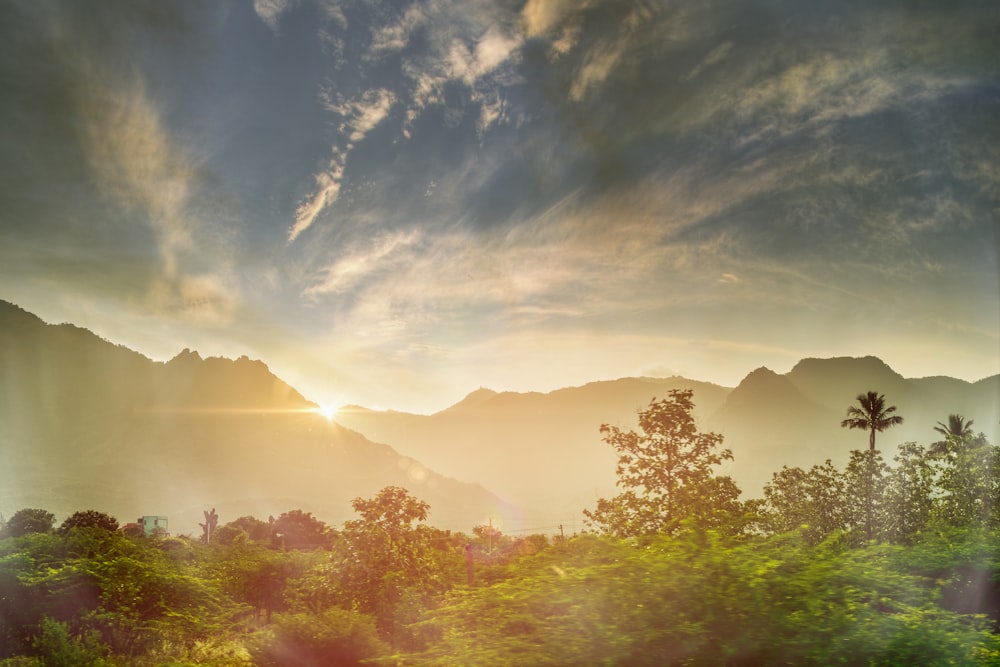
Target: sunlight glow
point(328, 411)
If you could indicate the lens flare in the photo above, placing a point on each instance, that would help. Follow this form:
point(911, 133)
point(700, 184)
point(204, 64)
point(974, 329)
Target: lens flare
point(328, 411)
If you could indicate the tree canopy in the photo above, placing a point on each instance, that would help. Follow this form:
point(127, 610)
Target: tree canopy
point(666, 473)
point(871, 415)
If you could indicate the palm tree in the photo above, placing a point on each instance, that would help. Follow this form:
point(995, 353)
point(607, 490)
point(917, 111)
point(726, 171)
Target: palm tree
point(956, 429)
point(871, 416)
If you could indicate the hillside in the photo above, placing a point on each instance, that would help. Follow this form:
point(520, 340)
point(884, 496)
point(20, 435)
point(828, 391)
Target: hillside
point(541, 451)
point(88, 424)
point(545, 450)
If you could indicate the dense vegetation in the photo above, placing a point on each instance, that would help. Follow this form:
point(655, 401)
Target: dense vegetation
point(872, 564)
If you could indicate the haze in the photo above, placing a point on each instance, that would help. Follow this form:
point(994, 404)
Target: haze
point(396, 203)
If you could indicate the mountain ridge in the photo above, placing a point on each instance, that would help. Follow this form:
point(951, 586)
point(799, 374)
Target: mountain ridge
point(87, 424)
point(767, 420)
point(540, 454)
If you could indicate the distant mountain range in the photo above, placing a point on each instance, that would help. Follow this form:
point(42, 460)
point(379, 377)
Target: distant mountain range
point(544, 452)
point(86, 424)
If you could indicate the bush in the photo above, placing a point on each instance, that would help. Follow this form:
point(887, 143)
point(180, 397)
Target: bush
point(335, 637)
point(59, 648)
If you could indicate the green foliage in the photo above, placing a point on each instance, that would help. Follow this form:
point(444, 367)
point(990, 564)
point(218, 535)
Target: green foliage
point(866, 478)
point(812, 502)
point(333, 637)
point(26, 521)
point(252, 575)
point(691, 587)
point(969, 479)
point(666, 473)
point(909, 495)
point(59, 648)
point(382, 559)
point(88, 519)
point(702, 599)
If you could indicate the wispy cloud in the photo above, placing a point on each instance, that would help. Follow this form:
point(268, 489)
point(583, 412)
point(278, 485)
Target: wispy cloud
point(270, 11)
point(348, 271)
point(137, 163)
point(359, 117)
point(716, 55)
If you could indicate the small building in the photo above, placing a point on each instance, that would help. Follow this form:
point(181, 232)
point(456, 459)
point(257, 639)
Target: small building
point(153, 525)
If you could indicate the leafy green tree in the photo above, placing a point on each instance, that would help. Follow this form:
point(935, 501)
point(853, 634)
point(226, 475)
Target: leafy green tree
point(26, 521)
point(871, 415)
point(909, 494)
point(21, 604)
point(59, 648)
point(88, 519)
point(300, 530)
point(969, 482)
point(254, 575)
point(865, 478)
point(146, 599)
point(813, 502)
point(666, 472)
point(387, 563)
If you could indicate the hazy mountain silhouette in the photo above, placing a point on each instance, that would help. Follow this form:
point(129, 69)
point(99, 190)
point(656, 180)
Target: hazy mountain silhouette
point(545, 451)
point(88, 424)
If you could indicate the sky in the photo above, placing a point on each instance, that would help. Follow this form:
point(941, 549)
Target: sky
point(393, 204)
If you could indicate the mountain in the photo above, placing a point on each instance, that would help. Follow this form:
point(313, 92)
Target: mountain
point(86, 424)
point(763, 421)
point(544, 451)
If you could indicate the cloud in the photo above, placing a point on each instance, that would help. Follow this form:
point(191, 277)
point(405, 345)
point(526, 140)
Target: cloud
point(347, 272)
point(366, 113)
point(270, 11)
point(597, 67)
point(137, 163)
point(360, 116)
point(540, 17)
point(716, 55)
point(395, 36)
point(729, 279)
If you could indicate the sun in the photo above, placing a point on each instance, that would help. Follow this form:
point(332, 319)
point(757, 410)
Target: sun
point(328, 411)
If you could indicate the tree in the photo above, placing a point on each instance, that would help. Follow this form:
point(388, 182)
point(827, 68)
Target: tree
point(243, 529)
point(300, 530)
point(812, 501)
point(666, 473)
point(88, 519)
point(872, 416)
point(909, 494)
point(865, 480)
point(389, 567)
point(969, 478)
point(957, 428)
point(27, 521)
point(208, 528)
point(255, 575)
